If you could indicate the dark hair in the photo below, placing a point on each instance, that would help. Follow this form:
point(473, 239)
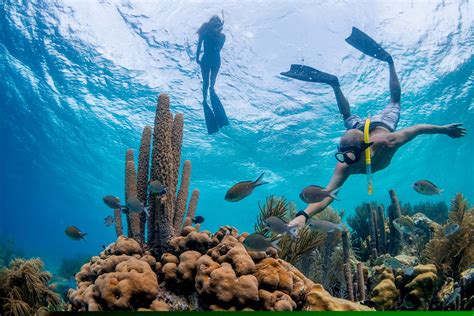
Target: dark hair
point(214, 25)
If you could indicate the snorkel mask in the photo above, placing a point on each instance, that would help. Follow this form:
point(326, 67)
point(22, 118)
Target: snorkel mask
point(351, 154)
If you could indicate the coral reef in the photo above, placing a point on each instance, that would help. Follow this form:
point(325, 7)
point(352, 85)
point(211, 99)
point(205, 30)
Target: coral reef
point(453, 254)
point(320, 300)
point(441, 281)
point(24, 288)
point(203, 271)
point(385, 294)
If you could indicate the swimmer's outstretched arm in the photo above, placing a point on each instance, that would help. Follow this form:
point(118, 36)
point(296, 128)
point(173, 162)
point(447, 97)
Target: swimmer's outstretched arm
point(340, 175)
point(403, 136)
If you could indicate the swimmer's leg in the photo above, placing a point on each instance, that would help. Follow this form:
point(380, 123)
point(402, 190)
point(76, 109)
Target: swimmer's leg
point(391, 114)
point(394, 85)
point(342, 103)
point(214, 73)
point(205, 70)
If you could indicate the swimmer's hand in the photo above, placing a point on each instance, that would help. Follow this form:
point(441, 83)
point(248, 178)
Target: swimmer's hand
point(298, 222)
point(454, 130)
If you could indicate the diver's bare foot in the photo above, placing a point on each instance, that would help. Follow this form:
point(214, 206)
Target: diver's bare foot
point(455, 130)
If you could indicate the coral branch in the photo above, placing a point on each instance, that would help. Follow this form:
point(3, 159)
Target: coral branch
point(361, 281)
point(192, 207)
point(373, 232)
point(118, 222)
point(176, 142)
point(180, 205)
point(381, 229)
point(347, 264)
point(394, 212)
point(128, 157)
point(162, 170)
point(131, 190)
point(142, 175)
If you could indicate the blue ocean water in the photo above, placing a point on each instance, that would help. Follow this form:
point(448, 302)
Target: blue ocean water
point(80, 79)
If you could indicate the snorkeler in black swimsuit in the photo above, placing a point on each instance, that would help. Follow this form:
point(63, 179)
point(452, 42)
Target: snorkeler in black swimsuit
point(211, 36)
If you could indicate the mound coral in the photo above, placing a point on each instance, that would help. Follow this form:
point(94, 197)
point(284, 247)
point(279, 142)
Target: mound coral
point(122, 277)
point(421, 288)
point(385, 293)
point(203, 271)
point(24, 288)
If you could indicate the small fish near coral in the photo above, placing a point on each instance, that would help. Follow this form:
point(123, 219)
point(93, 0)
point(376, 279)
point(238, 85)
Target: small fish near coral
point(109, 221)
point(258, 242)
point(74, 233)
point(112, 201)
point(134, 206)
point(427, 188)
point(198, 220)
point(324, 226)
point(243, 189)
point(279, 227)
point(395, 264)
point(405, 226)
point(157, 188)
point(315, 194)
point(451, 229)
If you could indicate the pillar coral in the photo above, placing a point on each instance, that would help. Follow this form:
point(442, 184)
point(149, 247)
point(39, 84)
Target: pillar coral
point(131, 192)
point(192, 207)
point(181, 200)
point(142, 175)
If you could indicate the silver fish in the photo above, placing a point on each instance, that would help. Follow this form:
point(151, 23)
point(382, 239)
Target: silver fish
point(451, 229)
point(279, 227)
point(393, 263)
point(426, 187)
point(325, 226)
point(135, 206)
point(405, 226)
point(243, 189)
point(315, 194)
point(109, 220)
point(258, 242)
point(156, 187)
point(112, 201)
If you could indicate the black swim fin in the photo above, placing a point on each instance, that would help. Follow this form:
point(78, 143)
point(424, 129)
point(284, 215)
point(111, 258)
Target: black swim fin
point(211, 121)
point(306, 73)
point(368, 45)
point(218, 109)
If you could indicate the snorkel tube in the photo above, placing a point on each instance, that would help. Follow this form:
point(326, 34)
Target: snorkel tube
point(368, 160)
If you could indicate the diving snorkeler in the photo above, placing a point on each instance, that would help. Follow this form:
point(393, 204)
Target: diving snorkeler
point(384, 139)
point(211, 36)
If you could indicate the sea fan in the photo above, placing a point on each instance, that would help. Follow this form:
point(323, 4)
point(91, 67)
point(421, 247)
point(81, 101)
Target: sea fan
point(453, 254)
